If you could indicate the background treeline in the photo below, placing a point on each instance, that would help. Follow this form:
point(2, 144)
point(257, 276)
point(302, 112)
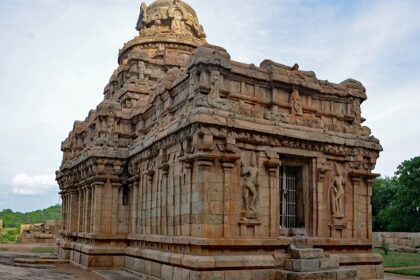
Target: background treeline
point(15, 219)
point(396, 200)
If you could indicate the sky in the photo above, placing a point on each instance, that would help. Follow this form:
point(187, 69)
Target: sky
point(56, 56)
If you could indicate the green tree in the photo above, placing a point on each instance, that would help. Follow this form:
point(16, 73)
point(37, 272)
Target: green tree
point(396, 201)
point(15, 219)
point(405, 209)
point(384, 191)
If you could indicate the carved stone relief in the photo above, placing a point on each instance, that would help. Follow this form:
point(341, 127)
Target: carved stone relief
point(215, 80)
point(250, 188)
point(337, 189)
point(296, 103)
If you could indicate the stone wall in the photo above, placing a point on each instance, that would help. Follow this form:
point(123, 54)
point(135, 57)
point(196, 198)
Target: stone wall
point(40, 233)
point(407, 241)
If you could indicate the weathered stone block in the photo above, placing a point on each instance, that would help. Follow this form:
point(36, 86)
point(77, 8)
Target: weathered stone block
point(346, 274)
point(329, 263)
point(177, 274)
point(156, 269)
point(366, 272)
point(302, 265)
point(207, 275)
point(237, 275)
point(167, 272)
point(306, 253)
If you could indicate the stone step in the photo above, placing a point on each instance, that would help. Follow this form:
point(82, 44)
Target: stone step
point(306, 253)
point(308, 265)
point(338, 274)
point(116, 275)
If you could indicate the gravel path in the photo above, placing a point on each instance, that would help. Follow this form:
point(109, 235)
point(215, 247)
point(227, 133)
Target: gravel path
point(389, 276)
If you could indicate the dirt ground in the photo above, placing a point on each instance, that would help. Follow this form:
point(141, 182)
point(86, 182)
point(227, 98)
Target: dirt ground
point(389, 276)
point(9, 270)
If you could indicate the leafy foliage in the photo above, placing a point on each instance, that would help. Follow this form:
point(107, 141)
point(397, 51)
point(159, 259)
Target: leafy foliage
point(15, 219)
point(9, 236)
point(396, 201)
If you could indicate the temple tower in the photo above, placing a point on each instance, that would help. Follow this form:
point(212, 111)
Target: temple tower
point(201, 167)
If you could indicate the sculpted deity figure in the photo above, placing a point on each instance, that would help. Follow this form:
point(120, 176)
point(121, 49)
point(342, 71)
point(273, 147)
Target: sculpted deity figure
point(177, 25)
point(215, 84)
point(250, 185)
point(338, 193)
point(296, 102)
point(191, 88)
point(142, 68)
point(357, 112)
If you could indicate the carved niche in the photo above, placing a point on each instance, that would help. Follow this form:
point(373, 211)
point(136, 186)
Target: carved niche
point(250, 188)
point(338, 192)
point(296, 103)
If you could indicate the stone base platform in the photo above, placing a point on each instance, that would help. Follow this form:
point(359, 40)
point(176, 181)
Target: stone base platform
point(285, 263)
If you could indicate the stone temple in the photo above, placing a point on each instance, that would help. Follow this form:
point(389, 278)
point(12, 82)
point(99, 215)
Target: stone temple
point(195, 166)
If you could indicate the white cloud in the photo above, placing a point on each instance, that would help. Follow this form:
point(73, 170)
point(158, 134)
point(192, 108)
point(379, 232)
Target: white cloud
point(32, 185)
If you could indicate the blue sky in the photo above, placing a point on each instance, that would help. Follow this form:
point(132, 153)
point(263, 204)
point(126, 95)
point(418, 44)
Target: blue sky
point(57, 55)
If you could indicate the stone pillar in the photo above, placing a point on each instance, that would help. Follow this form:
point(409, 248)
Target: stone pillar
point(369, 183)
point(164, 202)
point(74, 211)
point(355, 184)
point(188, 167)
point(148, 204)
point(116, 201)
point(92, 207)
point(227, 174)
point(272, 167)
point(67, 211)
point(86, 209)
point(141, 206)
point(62, 210)
point(80, 210)
point(201, 177)
point(322, 205)
point(133, 205)
point(97, 207)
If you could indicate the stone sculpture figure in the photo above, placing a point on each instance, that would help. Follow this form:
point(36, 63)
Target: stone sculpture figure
point(357, 112)
point(177, 25)
point(215, 84)
point(296, 102)
point(142, 68)
point(250, 185)
point(338, 193)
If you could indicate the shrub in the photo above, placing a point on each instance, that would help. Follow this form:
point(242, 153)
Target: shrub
point(385, 246)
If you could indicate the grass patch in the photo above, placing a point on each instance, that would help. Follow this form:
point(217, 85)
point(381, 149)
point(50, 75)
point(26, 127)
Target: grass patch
point(9, 235)
point(43, 250)
point(3, 249)
point(413, 272)
point(398, 259)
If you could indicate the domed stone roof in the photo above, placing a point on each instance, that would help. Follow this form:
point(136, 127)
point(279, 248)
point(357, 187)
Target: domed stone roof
point(166, 24)
point(167, 3)
point(169, 17)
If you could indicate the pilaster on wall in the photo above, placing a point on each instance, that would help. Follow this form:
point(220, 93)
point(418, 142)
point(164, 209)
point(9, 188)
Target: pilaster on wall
point(134, 186)
point(97, 208)
point(74, 212)
point(272, 166)
point(202, 181)
point(228, 164)
point(359, 179)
